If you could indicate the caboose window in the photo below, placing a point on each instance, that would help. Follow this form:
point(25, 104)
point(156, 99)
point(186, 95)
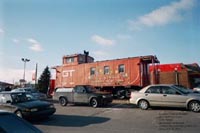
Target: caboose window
point(92, 71)
point(121, 68)
point(70, 60)
point(106, 70)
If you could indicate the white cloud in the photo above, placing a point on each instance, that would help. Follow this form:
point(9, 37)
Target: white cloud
point(33, 41)
point(102, 41)
point(163, 15)
point(35, 45)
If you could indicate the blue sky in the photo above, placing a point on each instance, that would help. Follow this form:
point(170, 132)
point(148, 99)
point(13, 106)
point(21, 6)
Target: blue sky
point(45, 30)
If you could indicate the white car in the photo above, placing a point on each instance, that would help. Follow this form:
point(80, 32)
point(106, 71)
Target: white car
point(197, 89)
point(35, 93)
point(166, 96)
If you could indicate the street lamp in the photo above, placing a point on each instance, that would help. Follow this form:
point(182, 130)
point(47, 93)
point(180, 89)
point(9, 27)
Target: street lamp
point(25, 60)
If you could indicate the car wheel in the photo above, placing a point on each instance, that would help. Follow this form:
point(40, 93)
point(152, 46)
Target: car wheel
point(143, 104)
point(63, 101)
point(194, 106)
point(94, 103)
point(19, 113)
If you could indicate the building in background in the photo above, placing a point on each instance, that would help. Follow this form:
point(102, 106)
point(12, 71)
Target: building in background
point(187, 75)
point(4, 86)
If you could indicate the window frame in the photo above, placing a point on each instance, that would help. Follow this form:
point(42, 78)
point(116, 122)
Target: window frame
point(106, 70)
point(92, 71)
point(170, 88)
point(70, 60)
point(121, 68)
point(154, 87)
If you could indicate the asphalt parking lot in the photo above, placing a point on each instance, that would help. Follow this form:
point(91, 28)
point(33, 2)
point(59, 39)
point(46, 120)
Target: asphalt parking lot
point(119, 117)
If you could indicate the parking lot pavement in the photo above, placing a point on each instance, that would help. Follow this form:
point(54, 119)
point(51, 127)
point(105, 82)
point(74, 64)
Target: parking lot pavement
point(118, 118)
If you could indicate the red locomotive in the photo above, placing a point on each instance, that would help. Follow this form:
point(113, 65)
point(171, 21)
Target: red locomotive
point(117, 76)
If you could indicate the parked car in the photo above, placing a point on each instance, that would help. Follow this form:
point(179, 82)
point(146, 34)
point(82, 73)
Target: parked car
point(25, 107)
point(197, 89)
point(166, 96)
point(10, 123)
point(82, 94)
point(35, 93)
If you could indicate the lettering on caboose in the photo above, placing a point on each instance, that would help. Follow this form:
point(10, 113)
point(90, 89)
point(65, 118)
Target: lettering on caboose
point(67, 73)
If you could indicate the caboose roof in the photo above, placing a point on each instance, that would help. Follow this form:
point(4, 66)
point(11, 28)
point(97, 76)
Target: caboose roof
point(147, 59)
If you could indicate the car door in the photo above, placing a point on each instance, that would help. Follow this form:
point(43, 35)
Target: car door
point(5, 102)
point(153, 95)
point(80, 95)
point(173, 98)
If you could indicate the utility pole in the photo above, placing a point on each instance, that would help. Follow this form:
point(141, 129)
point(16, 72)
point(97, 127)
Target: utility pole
point(36, 67)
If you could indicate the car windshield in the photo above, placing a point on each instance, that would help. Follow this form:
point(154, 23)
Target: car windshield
point(19, 97)
point(182, 89)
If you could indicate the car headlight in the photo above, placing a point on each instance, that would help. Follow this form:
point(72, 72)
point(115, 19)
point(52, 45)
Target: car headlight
point(51, 106)
point(104, 96)
point(31, 110)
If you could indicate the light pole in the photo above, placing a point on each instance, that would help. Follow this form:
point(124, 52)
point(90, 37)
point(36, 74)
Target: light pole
point(25, 60)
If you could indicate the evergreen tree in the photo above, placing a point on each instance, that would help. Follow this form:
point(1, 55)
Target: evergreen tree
point(43, 81)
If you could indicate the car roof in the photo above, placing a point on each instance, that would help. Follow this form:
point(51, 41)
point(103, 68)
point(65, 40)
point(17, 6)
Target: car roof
point(161, 85)
point(145, 88)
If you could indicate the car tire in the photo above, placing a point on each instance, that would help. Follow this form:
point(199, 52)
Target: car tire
point(63, 101)
point(143, 104)
point(194, 106)
point(94, 102)
point(19, 113)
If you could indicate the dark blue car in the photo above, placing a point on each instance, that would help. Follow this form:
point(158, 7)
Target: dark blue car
point(25, 107)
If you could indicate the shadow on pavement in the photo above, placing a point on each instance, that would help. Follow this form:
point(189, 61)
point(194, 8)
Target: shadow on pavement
point(126, 105)
point(169, 108)
point(71, 120)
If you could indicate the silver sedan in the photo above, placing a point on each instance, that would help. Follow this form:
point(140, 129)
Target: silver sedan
point(163, 95)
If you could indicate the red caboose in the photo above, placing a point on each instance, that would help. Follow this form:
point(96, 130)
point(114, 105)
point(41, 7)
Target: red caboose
point(117, 76)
